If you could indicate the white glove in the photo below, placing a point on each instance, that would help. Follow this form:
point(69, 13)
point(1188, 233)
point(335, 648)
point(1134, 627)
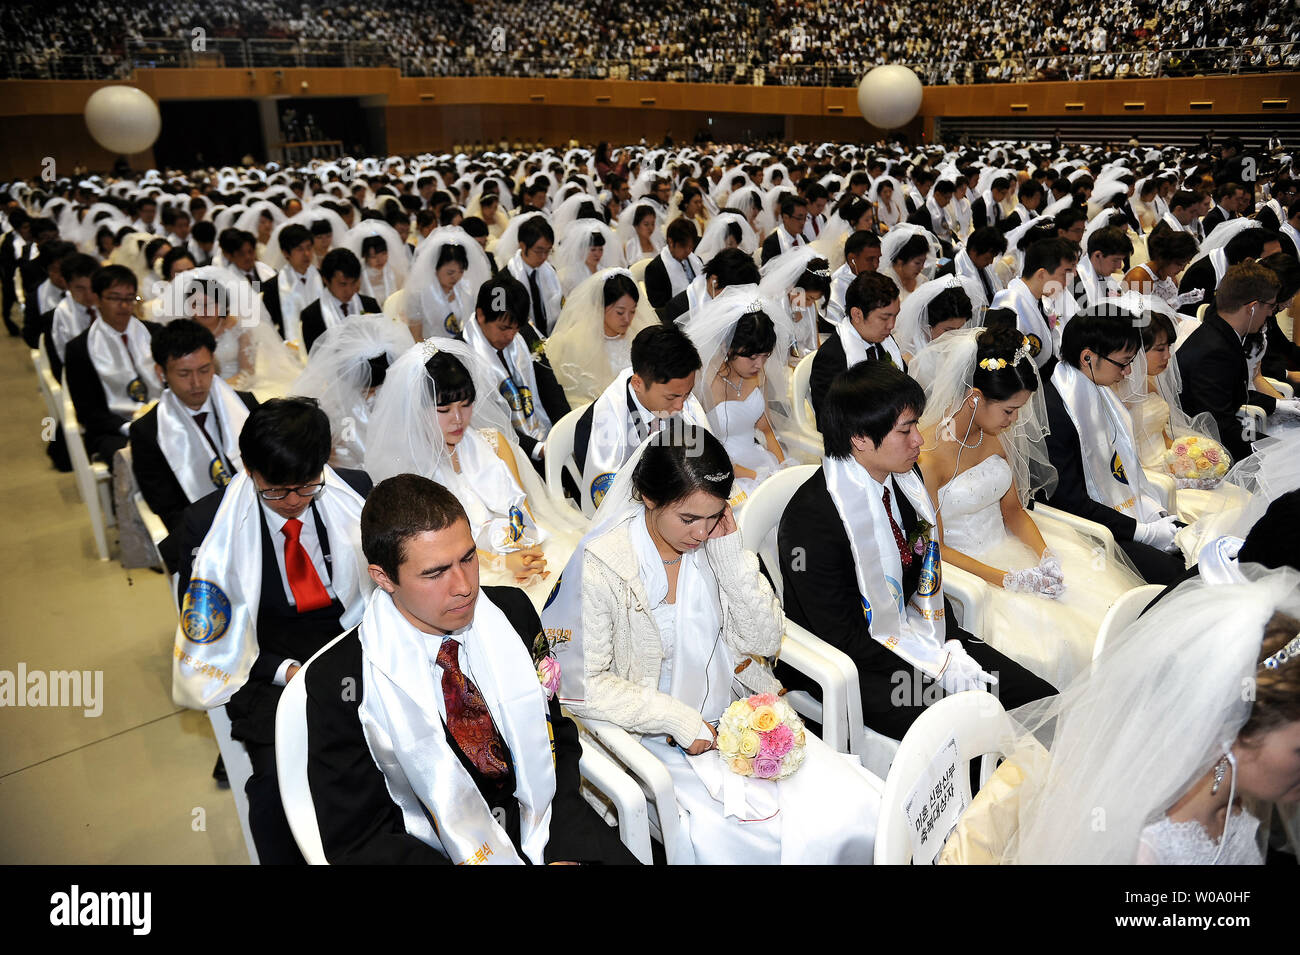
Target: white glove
point(1027, 581)
point(1289, 405)
point(1158, 534)
point(962, 672)
point(1050, 565)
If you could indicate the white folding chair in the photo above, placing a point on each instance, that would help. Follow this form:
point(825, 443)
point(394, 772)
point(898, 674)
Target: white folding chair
point(980, 725)
point(559, 455)
point(1167, 486)
point(94, 481)
point(1123, 612)
point(1090, 529)
point(638, 268)
point(238, 768)
point(800, 404)
point(395, 306)
point(51, 390)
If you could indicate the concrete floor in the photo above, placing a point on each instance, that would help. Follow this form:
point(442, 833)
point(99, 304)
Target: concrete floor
point(133, 784)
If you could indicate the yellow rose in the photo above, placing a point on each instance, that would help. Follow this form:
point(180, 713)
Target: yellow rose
point(741, 766)
point(1203, 464)
point(764, 719)
point(1221, 469)
point(728, 743)
point(800, 738)
point(748, 744)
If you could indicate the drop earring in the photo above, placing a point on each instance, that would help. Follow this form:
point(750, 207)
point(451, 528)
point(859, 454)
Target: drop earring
point(1220, 770)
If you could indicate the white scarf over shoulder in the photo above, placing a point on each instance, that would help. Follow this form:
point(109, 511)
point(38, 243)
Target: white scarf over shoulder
point(197, 468)
point(216, 641)
point(441, 806)
point(126, 371)
point(495, 504)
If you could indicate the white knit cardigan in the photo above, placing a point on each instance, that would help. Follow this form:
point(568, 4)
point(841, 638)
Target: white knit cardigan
point(622, 651)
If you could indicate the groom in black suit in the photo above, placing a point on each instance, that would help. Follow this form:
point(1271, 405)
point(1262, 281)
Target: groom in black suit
point(284, 445)
point(871, 306)
point(411, 526)
point(340, 273)
point(871, 415)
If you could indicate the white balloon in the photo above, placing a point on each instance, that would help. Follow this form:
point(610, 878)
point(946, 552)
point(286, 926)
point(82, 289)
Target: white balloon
point(123, 119)
point(889, 97)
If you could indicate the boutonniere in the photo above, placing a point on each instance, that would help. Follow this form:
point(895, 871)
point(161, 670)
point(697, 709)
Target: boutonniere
point(538, 349)
point(919, 537)
point(548, 668)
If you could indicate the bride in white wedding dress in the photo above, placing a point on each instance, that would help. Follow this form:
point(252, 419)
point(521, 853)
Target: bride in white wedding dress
point(743, 340)
point(1049, 587)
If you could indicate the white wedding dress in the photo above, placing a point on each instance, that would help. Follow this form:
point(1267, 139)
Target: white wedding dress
point(1166, 842)
point(733, 424)
point(1053, 638)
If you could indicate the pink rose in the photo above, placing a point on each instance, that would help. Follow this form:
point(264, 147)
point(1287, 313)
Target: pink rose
point(1180, 449)
point(548, 671)
point(1212, 454)
point(776, 743)
point(766, 767)
point(919, 547)
point(762, 699)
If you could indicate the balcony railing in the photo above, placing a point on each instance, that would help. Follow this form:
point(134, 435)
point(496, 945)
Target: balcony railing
point(173, 52)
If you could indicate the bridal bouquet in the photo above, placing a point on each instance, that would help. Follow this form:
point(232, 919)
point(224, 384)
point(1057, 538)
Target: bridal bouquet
point(761, 736)
point(1197, 461)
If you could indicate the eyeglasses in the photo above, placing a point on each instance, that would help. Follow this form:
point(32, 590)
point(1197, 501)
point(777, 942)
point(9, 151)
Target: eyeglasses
point(120, 299)
point(1125, 366)
point(280, 493)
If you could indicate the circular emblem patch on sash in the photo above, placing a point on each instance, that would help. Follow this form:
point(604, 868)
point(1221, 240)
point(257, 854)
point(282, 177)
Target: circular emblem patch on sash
point(452, 324)
point(205, 612)
point(1035, 345)
point(555, 592)
point(526, 399)
point(137, 391)
point(866, 610)
point(896, 592)
point(217, 473)
point(1117, 469)
point(516, 524)
point(600, 486)
point(931, 575)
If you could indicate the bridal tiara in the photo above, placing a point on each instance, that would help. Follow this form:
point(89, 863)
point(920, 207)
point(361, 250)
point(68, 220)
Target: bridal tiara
point(428, 348)
point(1288, 652)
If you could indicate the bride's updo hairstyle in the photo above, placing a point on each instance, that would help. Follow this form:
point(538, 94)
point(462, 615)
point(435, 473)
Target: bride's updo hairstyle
point(812, 278)
point(949, 304)
point(754, 335)
point(1277, 689)
point(618, 285)
point(682, 459)
point(449, 379)
point(997, 347)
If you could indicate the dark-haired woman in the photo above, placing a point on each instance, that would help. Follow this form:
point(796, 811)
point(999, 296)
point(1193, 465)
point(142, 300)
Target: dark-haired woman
point(384, 265)
point(661, 620)
point(1169, 253)
point(743, 343)
point(639, 224)
point(592, 341)
point(983, 457)
point(440, 292)
point(440, 415)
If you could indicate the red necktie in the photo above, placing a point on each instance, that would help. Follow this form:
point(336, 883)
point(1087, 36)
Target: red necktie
point(308, 592)
point(468, 718)
point(816, 228)
point(91, 311)
point(904, 554)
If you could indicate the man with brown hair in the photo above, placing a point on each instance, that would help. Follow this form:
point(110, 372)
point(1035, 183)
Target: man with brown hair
point(1215, 360)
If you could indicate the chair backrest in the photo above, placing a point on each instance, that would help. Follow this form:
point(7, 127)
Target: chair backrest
point(638, 269)
point(291, 764)
point(800, 387)
point(87, 475)
point(395, 306)
point(1122, 613)
point(758, 520)
point(980, 725)
point(51, 390)
point(559, 452)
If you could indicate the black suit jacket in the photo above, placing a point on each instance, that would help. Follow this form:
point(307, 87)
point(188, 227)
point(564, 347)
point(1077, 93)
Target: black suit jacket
point(313, 322)
point(979, 214)
point(359, 822)
point(1198, 276)
point(1066, 454)
point(282, 632)
point(1268, 219)
point(1212, 219)
point(1212, 362)
point(676, 307)
point(1283, 355)
point(828, 362)
point(156, 479)
point(270, 292)
point(658, 287)
point(822, 595)
point(88, 393)
point(922, 218)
